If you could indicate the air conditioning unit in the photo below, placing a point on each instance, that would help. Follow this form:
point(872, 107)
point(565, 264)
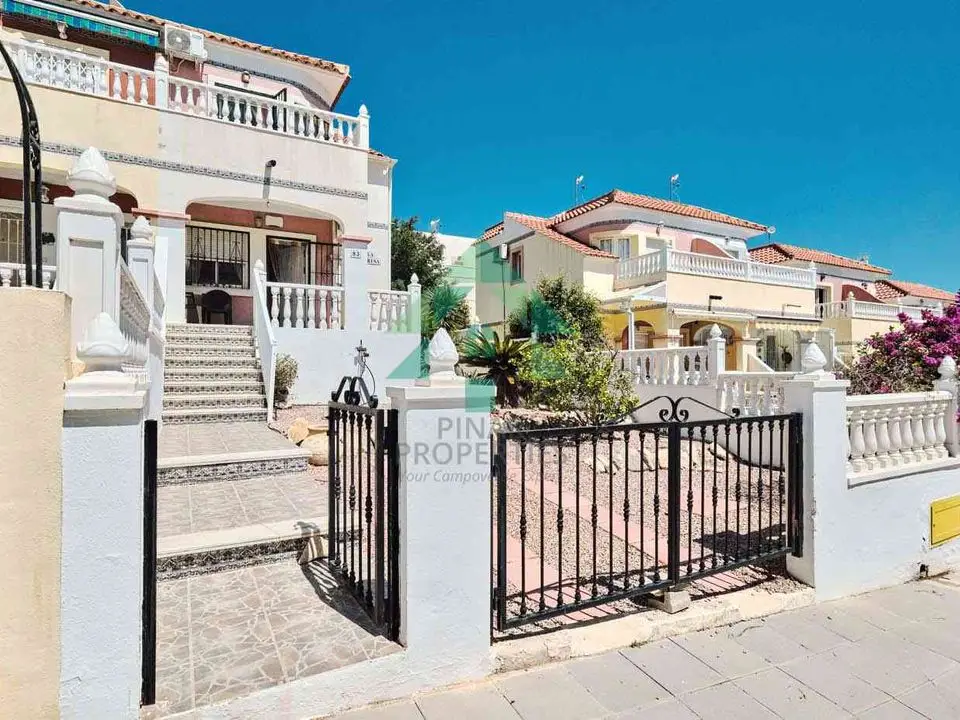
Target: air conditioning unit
point(183, 43)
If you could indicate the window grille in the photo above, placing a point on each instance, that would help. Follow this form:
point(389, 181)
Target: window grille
point(217, 257)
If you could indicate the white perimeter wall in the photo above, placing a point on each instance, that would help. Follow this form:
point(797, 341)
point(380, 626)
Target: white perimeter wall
point(325, 356)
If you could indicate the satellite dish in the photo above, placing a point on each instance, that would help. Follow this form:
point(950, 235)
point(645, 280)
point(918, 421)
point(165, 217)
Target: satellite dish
point(771, 230)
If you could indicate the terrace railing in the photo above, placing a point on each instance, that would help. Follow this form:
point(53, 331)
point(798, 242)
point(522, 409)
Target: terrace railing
point(861, 310)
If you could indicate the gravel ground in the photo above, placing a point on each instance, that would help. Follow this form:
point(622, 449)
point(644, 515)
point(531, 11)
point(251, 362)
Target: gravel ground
point(315, 415)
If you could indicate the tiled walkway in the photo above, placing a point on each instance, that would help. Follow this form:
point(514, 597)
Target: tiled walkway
point(892, 654)
point(218, 438)
point(203, 507)
point(230, 633)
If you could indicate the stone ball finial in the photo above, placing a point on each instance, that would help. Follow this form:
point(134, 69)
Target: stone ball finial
point(948, 368)
point(442, 357)
point(715, 333)
point(90, 175)
point(141, 228)
point(103, 347)
point(813, 360)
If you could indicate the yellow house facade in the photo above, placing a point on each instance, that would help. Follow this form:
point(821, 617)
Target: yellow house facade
point(665, 272)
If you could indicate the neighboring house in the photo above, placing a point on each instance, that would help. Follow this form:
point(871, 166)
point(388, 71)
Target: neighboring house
point(459, 256)
point(235, 151)
point(664, 271)
point(854, 298)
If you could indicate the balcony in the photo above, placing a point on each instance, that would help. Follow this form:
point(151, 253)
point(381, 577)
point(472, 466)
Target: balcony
point(49, 66)
point(653, 267)
point(861, 310)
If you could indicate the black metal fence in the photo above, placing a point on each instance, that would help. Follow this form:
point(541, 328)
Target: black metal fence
point(584, 516)
point(148, 688)
point(363, 524)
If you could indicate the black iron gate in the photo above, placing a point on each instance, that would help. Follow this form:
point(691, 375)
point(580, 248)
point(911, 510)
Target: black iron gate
point(583, 516)
point(363, 520)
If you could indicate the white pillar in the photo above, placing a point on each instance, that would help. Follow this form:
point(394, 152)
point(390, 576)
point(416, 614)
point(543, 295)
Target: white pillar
point(716, 352)
point(948, 382)
point(356, 311)
point(363, 128)
point(631, 326)
point(444, 435)
point(171, 263)
point(161, 72)
point(822, 401)
point(88, 240)
point(141, 260)
point(415, 316)
point(102, 550)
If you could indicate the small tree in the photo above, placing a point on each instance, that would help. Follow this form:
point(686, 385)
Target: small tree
point(558, 308)
point(501, 360)
point(906, 360)
point(414, 252)
point(569, 376)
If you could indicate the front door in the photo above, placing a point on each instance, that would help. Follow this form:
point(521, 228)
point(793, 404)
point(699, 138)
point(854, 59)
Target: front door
point(288, 260)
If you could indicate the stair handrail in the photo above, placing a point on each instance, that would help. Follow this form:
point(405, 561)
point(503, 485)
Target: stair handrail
point(263, 332)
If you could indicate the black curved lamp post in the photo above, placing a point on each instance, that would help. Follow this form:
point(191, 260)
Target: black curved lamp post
point(32, 185)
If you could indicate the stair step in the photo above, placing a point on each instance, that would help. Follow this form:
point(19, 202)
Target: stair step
point(196, 329)
point(211, 361)
point(204, 351)
point(214, 401)
point(211, 373)
point(194, 469)
point(211, 415)
point(193, 386)
point(197, 553)
point(213, 341)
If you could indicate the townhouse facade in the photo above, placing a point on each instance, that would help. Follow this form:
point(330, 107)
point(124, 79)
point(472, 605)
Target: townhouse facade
point(854, 298)
point(664, 271)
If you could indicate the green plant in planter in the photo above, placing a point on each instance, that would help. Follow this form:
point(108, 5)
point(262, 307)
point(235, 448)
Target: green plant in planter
point(284, 376)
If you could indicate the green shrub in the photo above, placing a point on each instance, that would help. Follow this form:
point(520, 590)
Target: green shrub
point(285, 374)
point(501, 360)
point(558, 308)
point(569, 376)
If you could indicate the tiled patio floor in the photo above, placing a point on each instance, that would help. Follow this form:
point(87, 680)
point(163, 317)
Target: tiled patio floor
point(210, 506)
point(230, 633)
point(218, 438)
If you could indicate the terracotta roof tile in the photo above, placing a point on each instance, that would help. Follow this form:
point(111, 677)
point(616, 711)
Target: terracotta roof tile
point(542, 226)
point(779, 252)
point(218, 37)
point(652, 203)
point(896, 289)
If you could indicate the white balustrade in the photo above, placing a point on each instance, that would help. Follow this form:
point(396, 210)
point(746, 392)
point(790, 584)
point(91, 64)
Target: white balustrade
point(669, 366)
point(133, 318)
point(55, 67)
point(862, 310)
point(894, 430)
point(15, 275)
point(390, 311)
point(292, 305)
point(653, 267)
point(752, 393)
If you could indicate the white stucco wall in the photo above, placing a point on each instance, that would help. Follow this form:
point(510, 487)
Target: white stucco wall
point(102, 558)
point(325, 356)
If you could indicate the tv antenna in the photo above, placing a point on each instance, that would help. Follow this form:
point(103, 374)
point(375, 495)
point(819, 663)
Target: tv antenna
point(675, 186)
point(579, 185)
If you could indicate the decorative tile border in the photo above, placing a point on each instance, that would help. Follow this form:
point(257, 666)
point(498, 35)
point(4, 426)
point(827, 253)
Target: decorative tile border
point(229, 558)
point(201, 387)
point(230, 471)
point(186, 374)
point(197, 329)
point(173, 417)
point(213, 401)
point(201, 361)
point(146, 161)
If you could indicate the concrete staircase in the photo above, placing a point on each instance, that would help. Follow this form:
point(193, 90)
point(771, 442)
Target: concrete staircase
point(212, 374)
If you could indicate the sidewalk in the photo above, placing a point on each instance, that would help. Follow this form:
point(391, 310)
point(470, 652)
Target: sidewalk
point(883, 656)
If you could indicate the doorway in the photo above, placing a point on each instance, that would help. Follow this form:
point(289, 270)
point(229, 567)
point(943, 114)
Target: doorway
point(303, 261)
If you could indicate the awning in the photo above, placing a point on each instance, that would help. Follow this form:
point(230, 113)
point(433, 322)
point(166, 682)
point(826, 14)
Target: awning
point(788, 324)
point(715, 314)
point(656, 293)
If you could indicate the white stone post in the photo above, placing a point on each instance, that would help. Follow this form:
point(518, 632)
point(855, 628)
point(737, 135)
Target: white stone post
point(102, 548)
point(161, 74)
point(948, 382)
point(171, 264)
point(822, 401)
point(415, 316)
point(88, 240)
point(716, 352)
point(141, 261)
point(444, 436)
point(363, 128)
point(356, 310)
point(631, 325)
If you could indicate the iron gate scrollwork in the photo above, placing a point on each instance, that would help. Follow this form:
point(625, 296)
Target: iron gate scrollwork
point(363, 521)
point(584, 516)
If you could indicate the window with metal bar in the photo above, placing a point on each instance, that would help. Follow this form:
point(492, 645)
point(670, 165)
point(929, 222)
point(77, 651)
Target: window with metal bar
point(11, 237)
point(218, 257)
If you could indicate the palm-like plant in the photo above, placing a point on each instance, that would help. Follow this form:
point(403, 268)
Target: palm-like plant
point(502, 359)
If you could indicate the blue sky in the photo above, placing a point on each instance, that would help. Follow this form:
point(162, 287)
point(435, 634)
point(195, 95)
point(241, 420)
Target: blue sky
point(838, 122)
